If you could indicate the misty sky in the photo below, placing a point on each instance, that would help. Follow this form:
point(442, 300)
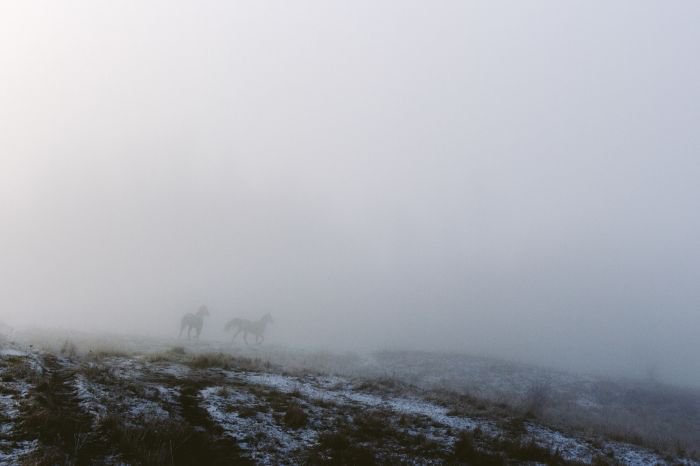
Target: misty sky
point(508, 177)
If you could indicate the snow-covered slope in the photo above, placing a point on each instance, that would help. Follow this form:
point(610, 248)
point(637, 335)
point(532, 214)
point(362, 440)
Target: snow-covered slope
point(190, 405)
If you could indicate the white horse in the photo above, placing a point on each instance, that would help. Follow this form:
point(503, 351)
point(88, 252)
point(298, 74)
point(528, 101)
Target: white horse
point(194, 321)
point(257, 328)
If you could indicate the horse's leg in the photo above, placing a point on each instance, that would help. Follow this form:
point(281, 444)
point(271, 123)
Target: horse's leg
point(235, 335)
point(245, 337)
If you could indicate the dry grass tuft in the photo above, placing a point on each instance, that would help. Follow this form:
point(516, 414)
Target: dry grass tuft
point(295, 417)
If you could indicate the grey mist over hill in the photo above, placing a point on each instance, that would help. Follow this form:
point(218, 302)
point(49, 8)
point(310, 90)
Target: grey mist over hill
point(515, 179)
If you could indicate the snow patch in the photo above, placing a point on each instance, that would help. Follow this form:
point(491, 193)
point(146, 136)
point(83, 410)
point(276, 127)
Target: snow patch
point(90, 396)
point(265, 441)
point(569, 448)
point(12, 452)
point(340, 391)
point(16, 451)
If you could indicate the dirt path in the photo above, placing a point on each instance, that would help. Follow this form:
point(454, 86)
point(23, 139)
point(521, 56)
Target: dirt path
point(68, 434)
point(55, 418)
point(209, 444)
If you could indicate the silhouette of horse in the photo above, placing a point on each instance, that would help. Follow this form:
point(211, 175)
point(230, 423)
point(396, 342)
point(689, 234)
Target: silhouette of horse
point(194, 321)
point(257, 328)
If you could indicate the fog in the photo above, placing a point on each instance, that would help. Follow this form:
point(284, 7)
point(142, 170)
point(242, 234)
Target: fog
point(518, 179)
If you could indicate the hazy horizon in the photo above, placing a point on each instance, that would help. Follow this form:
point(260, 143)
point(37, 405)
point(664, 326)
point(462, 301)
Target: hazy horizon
point(518, 179)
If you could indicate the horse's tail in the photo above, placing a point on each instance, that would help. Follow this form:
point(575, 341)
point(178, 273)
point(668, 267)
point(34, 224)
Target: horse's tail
point(233, 323)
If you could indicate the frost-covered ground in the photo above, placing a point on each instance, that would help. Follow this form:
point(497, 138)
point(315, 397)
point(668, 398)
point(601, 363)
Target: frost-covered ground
point(141, 401)
point(17, 370)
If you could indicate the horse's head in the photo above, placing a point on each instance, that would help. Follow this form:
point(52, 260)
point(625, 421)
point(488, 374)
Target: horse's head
point(203, 311)
point(267, 318)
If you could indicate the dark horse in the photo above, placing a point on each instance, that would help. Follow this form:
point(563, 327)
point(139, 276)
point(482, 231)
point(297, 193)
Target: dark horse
point(194, 321)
